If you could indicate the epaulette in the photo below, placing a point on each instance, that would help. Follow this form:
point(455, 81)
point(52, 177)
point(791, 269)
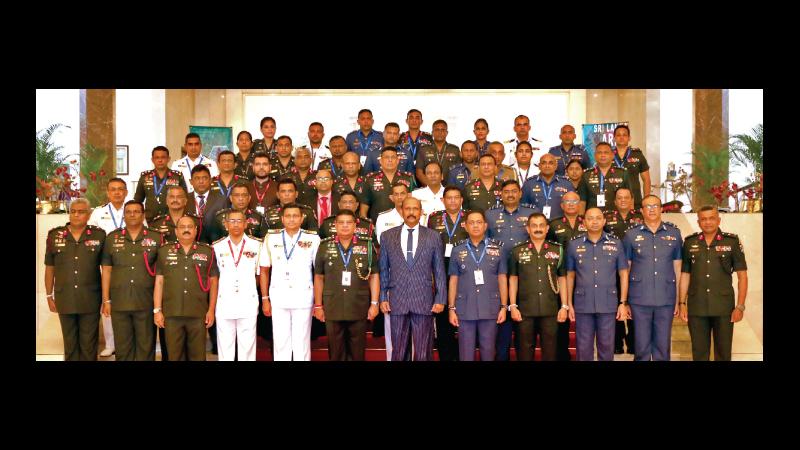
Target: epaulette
point(553, 242)
point(526, 205)
point(222, 211)
point(588, 170)
point(554, 220)
point(695, 235)
point(166, 243)
point(219, 240)
point(460, 242)
point(730, 235)
point(146, 172)
point(258, 239)
point(633, 225)
point(154, 230)
point(364, 218)
point(407, 173)
point(497, 205)
point(309, 231)
point(95, 227)
point(437, 213)
point(159, 217)
point(496, 242)
point(387, 211)
point(521, 244)
point(510, 141)
point(203, 244)
point(579, 235)
point(670, 224)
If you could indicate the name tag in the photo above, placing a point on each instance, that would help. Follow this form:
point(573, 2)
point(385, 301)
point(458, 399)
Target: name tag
point(546, 211)
point(346, 278)
point(363, 160)
point(448, 249)
point(260, 209)
point(601, 200)
point(478, 277)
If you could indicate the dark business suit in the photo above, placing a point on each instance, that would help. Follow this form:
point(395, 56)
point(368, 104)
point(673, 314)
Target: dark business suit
point(215, 202)
point(412, 290)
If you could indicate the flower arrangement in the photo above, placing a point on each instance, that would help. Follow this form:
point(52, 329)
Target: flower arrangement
point(60, 186)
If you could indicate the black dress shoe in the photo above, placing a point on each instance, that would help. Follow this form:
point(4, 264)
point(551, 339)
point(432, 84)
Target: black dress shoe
point(618, 351)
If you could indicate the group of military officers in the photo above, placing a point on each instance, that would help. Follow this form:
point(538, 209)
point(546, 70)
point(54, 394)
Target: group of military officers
point(517, 238)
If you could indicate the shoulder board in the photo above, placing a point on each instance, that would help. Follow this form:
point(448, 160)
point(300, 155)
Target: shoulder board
point(94, 227)
point(588, 170)
point(159, 217)
point(730, 235)
point(223, 211)
point(365, 239)
point(387, 211)
point(148, 172)
point(633, 225)
point(275, 230)
point(496, 206)
point(408, 174)
point(257, 239)
point(154, 230)
point(553, 243)
point(365, 218)
point(167, 243)
point(534, 139)
point(327, 239)
point(556, 219)
point(437, 213)
point(119, 230)
point(526, 205)
point(309, 232)
point(521, 244)
point(635, 149)
point(462, 241)
point(191, 214)
point(671, 224)
point(176, 172)
point(203, 244)
point(696, 234)
point(509, 141)
point(329, 219)
point(103, 205)
point(579, 235)
point(219, 240)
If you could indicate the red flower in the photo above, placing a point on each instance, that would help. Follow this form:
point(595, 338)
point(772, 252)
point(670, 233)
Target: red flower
point(83, 189)
point(102, 173)
point(73, 161)
point(93, 176)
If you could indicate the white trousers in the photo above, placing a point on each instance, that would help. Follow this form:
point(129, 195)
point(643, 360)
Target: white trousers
point(387, 333)
point(291, 334)
point(108, 332)
point(227, 332)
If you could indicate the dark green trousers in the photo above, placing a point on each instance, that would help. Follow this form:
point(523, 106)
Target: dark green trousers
point(80, 332)
point(701, 328)
point(186, 338)
point(547, 328)
point(134, 335)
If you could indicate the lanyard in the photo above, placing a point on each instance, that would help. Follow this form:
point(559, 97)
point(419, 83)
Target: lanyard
point(477, 261)
point(412, 145)
point(455, 225)
point(236, 260)
point(346, 260)
point(283, 236)
point(440, 158)
point(621, 164)
point(158, 188)
point(602, 180)
point(260, 198)
point(225, 192)
point(333, 169)
point(190, 164)
point(519, 173)
point(122, 222)
point(365, 148)
point(545, 191)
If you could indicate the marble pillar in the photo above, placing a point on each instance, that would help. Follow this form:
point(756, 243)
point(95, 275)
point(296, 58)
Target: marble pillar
point(710, 158)
point(98, 128)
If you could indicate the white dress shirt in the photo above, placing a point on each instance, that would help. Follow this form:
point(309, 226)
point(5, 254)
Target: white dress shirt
point(318, 155)
point(105, 217)
point(404, 239)
point(197, 202)
point(185, 166)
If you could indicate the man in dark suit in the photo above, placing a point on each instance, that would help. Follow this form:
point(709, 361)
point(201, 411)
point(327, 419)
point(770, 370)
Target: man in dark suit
point(413, 282)
point(204, 202)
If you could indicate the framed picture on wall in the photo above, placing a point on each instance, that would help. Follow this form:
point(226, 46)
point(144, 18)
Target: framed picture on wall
point(122, 160)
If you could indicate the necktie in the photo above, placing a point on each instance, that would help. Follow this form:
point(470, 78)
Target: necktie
point(202, 205)
point(410, 247)
point(323, 209)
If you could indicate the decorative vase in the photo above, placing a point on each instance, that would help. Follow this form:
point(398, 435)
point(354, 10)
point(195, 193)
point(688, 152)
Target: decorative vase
point(47, 207)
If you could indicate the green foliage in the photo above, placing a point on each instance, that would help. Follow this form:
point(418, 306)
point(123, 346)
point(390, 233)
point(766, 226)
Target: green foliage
point(48, 155)
point(92, 160)
point(747, 150)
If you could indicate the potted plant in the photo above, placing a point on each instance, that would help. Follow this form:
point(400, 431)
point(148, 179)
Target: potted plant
point(54, 183)
point(92, 160)
point(747, 150)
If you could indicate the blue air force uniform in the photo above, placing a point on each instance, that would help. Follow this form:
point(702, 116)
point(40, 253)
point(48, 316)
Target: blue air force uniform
point(539, 194)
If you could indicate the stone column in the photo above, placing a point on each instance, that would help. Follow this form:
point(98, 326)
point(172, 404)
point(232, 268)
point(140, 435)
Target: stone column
point(710, 158)
point(98, 123)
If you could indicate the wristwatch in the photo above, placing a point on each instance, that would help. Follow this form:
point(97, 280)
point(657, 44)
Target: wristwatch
point(565, 307)
point(740, 307)
point(373, 303)
point(156, 310)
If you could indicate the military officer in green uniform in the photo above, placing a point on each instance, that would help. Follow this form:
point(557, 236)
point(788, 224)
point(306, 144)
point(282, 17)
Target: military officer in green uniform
point(185, 275)
point(246, 157)
point(350, 180)
point(364, 228)
point(304, 177)
point(240, 199)
point(483, 192)
point(378, 185)
point(633, 160)
point(562, 230)
point(338, 148)
point(709, 259)
point(72, 280)
point(266, 145)
point(599, 184)
point(537, 290)
point(346, 288)
point(129, 268)
point(227, 177)
point(287, 193)
point(282, 162)
point(152, 183)
point(447, 155)
point(165, 224)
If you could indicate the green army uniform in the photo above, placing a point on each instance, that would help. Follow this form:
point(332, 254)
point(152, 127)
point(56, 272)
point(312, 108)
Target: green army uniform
point(364, 228)
point(276, 170)
point(346, 306)
point(537, 295)
point(156, 204)
point(166, 226)
point(218, 185)
point(77, 288)
point(449, 156)
point(711, 297)
point(255, 225)
point(635, 163)
point(440, 222)
point(133, 264)
point(617, 225)
point(274, 218)
point(478, 198)
point(244, 167)
point(259, 146)
point(185, 300)
point(377, 189)
point(589, 186)
point(336, 169)
point(341, 185)
point(561, 232)
point(306, 189)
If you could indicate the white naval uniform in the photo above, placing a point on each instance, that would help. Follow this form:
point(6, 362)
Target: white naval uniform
point(291, 291)
point(430, 202)
point(109, 219)
point(385, 221)
point(318, 154)
point(185, 166)
point(237, 299)
point(525, 175)
point(538, 148)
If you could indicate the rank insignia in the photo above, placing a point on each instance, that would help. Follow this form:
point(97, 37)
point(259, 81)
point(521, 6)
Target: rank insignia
point(199, 257)
point(723, 248)
point(639, 238)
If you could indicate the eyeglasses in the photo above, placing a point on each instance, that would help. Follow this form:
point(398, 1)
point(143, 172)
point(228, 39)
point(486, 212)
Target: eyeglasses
point(571, 202)
point(79, 211)
point(235, 221)
point(651, 206)
point(323, 179)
